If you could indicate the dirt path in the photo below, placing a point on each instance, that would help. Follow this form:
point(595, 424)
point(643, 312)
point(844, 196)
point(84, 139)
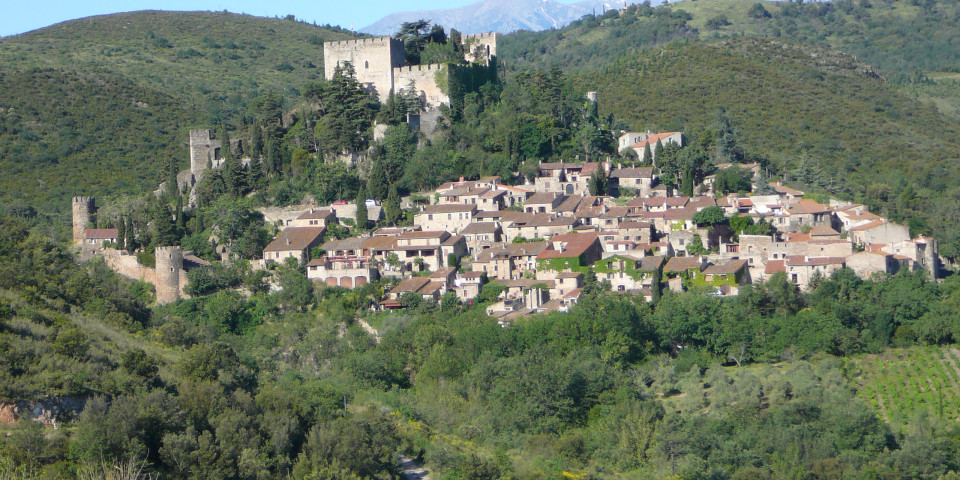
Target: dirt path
point(369, 329)
point(412, 470)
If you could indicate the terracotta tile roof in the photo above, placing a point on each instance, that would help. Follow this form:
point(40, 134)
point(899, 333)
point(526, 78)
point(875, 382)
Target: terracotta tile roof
point(352, 243)
point(380, 243)
point(481, 227)
point(823, 231)
point(652, 140)
point(541, 198)
point(784, 190)
point(774, 266)
point(101, 233)
point(570, 244)
point(633, 224)
point(868, 226)
point(701, 202)
point(806, 206)
point(682, 264)
point(729, 268)
point(649, 264)
point(569, 204)
point(798, 237)
point(802, 260)
point(314, 214)
point(294, 238)
point(636, 172)
point(686, 213)
point(511, 250)
point(410, 285)
point(452, 240)
point(424, 234)
point(451, 208)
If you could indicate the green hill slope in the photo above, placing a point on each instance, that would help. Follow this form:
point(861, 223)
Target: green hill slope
point(215, 60)
point(99, 105)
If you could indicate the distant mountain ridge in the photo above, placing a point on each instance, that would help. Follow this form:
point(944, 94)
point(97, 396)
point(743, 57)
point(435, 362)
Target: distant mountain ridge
point(503, 16)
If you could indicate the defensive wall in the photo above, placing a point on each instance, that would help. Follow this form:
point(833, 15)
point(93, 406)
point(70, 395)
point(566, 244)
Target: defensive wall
point(373, 60)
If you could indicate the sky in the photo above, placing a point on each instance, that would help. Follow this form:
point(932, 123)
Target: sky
point(18, 16)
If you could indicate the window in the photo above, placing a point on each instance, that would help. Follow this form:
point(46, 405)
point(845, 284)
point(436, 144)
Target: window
point(429, 217)
point(366, 64)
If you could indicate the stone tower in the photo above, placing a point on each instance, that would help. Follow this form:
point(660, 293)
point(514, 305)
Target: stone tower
point(203, 150)
point(169, 264)
point(931, 257)
point(83, 210)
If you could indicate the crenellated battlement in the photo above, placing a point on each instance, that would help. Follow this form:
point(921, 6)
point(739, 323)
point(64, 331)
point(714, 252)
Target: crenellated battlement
point(419, 68)
point(360, 41)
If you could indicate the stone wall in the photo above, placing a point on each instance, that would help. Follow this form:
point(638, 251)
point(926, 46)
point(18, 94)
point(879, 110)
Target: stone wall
point(425, 79)
point(373, 59)
point(487, 42)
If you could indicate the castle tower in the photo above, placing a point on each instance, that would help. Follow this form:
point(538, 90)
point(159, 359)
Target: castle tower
point(203, 150)
point(931, 257)
point(83, 210)
point(373, 61)
point(169, 264)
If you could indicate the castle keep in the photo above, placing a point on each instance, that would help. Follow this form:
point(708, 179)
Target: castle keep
point(380, 66)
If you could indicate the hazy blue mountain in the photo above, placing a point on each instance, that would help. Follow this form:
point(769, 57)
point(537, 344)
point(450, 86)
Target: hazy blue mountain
point(502, 16)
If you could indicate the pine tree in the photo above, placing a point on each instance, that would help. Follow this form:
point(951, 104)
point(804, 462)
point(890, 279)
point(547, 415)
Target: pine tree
point(362, 208)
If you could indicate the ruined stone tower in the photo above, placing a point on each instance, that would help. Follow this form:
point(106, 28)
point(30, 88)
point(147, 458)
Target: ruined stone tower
point(83, 210)
point(169, 265)
point(931, 257)
point(203, 151)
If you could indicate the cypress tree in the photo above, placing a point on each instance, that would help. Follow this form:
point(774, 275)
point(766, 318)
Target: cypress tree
point(647, 154)
point(362, 208)
point(656, 151)
point(121, 233)
point(181, 219)
point(129, 241)
point(392, 206)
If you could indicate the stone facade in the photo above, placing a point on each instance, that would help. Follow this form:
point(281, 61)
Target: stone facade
point(373, 59)
point(380, 66)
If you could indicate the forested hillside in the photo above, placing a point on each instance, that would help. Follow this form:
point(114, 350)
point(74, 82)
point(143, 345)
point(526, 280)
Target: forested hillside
point(102, 105)
point(288, 385)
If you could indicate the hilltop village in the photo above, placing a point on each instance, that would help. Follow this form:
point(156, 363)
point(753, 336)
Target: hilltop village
point(536, 245)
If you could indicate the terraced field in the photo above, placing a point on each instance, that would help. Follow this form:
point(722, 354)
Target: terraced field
point(904, 385)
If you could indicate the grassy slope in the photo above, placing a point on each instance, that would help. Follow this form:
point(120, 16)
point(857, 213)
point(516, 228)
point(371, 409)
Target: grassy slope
point(785, 101)
point(73, 120)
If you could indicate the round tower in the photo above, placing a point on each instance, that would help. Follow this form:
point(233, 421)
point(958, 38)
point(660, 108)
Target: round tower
point(169, 264)
point(83, 209)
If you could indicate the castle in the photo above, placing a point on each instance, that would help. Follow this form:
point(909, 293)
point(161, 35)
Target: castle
point(380, 66)
point(169, 275)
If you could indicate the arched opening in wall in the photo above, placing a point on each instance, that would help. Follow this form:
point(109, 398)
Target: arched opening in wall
point(346, 282)
point(366, 64)
point(360, 281)
point(569, 189)
point(331, 281)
